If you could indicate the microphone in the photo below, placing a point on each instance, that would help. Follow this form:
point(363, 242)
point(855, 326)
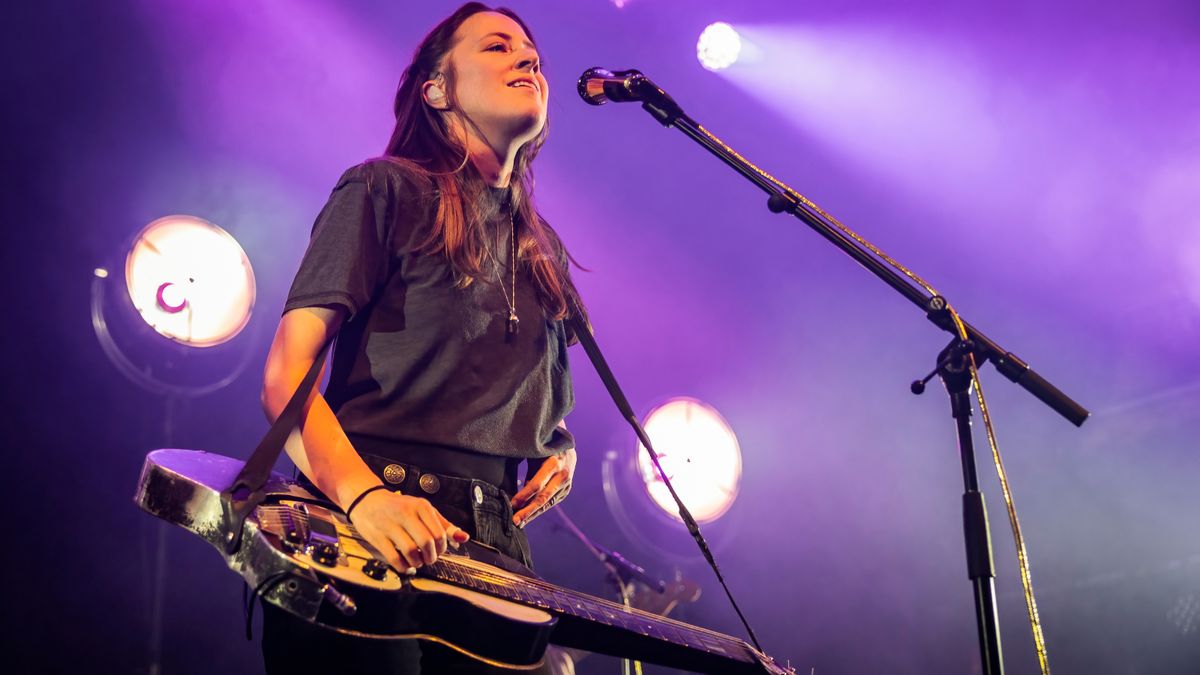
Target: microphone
point(627, 570)
point(598, 86)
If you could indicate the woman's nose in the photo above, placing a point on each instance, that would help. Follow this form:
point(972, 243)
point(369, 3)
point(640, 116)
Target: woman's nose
point(528, 60)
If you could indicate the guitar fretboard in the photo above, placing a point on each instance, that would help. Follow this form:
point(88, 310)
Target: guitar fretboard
point(486, 579)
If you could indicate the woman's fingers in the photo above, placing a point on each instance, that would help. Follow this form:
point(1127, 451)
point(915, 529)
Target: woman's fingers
point(384, 546)
point(545, 485)
point(456, 534)
point(552, 493)
point(410, 552)
point(416, 525)
point(408, 531)
point(432, 521)
point(532, 487)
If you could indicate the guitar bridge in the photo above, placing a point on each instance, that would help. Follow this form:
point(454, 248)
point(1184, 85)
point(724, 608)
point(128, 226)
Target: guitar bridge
point(290, 524)
point(301, 532)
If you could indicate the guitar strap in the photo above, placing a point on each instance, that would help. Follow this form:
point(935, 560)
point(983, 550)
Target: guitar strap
point(246, 492)
point(584, 334)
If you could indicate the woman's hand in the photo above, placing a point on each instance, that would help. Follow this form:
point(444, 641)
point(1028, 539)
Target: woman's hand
point(546, 488)
point(408, 531)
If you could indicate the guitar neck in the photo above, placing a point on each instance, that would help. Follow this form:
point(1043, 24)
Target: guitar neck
point(593, 624)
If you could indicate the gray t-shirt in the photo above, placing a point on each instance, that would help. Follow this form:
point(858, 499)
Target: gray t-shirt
point(417, 360)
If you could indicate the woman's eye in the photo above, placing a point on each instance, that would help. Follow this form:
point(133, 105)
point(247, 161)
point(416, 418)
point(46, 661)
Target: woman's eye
point(497, 47)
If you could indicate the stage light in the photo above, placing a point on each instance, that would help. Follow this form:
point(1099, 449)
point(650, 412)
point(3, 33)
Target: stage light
point(718, 46)
point(699, 453)
point(186, 280)
point(190, 281)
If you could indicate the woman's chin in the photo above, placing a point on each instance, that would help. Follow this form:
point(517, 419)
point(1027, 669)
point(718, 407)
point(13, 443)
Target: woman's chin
point(528, 126)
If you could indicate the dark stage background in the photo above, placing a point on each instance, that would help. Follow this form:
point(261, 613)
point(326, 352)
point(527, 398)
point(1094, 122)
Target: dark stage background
point(1038, 161)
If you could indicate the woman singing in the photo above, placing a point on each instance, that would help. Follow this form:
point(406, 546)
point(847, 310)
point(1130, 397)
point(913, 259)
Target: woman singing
point(447, 293)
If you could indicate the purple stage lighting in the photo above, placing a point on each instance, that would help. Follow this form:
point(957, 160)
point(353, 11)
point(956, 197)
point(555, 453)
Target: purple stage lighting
point(719, 46)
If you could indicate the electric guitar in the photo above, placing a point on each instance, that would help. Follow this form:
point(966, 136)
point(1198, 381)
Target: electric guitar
point(301, 554)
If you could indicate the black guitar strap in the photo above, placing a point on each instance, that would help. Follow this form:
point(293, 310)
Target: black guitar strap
point(584, 334)
point(246, 492)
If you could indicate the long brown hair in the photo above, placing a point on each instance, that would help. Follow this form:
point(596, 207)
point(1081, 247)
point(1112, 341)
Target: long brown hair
point(422, 141)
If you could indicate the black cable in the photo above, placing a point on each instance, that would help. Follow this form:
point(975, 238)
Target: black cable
point(249, 598)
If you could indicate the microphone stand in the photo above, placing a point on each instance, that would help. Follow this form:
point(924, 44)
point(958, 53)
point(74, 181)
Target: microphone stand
point(953, 366)
point(622, 572)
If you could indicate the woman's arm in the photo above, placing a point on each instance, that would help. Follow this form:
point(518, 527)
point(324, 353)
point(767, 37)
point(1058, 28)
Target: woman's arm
point(407, 530)
point(319, 447)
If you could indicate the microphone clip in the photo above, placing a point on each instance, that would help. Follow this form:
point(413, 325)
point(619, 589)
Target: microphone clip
point(598, 86)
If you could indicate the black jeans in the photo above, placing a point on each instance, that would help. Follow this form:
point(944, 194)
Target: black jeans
point(292, 646)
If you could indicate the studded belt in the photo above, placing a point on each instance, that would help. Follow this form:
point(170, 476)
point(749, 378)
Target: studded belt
point(436, 487)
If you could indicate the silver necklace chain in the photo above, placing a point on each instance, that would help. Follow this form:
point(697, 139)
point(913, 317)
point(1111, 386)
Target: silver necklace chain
point(513, 321)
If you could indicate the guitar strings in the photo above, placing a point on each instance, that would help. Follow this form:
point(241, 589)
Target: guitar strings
point(508, 581)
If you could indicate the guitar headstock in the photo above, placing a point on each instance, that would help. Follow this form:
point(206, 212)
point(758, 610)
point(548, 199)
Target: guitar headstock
point(769, 665)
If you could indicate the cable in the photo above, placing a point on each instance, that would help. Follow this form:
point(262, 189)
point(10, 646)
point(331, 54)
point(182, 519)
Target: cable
point(1035, 623)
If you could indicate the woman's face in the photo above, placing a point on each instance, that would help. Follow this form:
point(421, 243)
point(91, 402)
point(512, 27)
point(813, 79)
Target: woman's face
point(498, 79)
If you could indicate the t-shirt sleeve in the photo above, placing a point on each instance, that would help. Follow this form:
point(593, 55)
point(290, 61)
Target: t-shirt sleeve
point(348, 255)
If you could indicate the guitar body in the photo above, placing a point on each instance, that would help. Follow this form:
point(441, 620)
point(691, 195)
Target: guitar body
point(184, 487)
point(302, 555)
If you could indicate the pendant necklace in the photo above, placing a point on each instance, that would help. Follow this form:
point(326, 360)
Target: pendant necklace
point(513, 321)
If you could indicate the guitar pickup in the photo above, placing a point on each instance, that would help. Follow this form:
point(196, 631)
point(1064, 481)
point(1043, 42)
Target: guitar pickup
point(290, 524)
point(322, 542)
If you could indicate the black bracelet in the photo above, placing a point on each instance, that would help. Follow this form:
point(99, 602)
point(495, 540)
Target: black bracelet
point(360, 497)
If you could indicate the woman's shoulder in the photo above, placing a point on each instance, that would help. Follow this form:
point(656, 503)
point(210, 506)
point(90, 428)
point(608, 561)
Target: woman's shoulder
point(393, 176)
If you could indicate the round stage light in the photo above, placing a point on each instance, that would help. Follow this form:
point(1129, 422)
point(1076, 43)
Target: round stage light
point(185, 280)
point(718, 46)
point(699, 453)
point(190, 281)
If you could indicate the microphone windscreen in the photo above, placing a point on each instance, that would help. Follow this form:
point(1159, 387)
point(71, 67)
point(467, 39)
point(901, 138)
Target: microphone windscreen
point(591, 85)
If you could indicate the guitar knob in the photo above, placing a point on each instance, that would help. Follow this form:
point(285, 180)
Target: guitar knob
point(325, 554)
point(375, 569)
